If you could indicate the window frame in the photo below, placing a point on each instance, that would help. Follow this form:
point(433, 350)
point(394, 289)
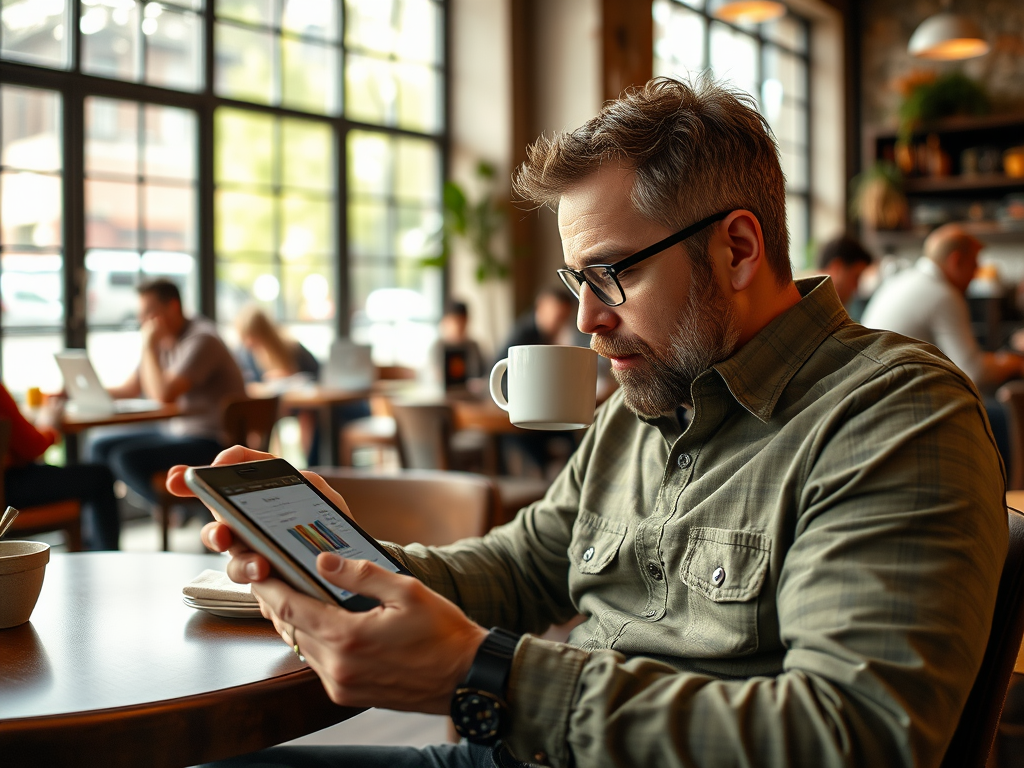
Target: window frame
point(763, 43)
point(74, 86)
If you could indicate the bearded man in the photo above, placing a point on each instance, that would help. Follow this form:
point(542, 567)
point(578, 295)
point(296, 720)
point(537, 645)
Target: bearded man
point(784, 532)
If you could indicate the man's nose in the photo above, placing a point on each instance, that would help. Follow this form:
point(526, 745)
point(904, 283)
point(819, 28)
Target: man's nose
point(594, 316)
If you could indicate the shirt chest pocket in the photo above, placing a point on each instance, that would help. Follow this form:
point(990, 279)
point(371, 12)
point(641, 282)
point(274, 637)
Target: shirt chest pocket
point(725, 571)
point(595, 542)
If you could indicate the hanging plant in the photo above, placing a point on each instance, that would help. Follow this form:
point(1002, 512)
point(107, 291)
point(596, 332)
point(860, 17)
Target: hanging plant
point(947, 95)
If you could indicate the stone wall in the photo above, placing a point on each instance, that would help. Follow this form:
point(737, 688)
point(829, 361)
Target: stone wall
point(887, 26)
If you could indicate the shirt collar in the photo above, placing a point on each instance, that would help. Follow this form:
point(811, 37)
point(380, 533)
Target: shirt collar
point(929, 267)
point(759, 371)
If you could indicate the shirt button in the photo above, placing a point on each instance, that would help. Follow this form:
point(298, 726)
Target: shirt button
point(650, 614)
point(655, 571)
point(684, 460)
point(588, 555)
point(540, 757)
point(718, 577)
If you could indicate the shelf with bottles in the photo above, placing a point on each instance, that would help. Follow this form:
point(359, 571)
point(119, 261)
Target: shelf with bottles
point(976, 154)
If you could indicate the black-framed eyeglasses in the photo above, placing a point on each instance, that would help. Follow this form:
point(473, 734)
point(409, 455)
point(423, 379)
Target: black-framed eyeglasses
point(603, 279)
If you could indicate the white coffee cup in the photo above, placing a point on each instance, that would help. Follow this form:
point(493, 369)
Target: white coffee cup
point(549, 387)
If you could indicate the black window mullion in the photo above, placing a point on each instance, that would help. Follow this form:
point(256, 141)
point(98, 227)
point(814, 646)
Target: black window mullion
point(342, 279)
point(75, 276)
point(206, 258)
point(277, 195)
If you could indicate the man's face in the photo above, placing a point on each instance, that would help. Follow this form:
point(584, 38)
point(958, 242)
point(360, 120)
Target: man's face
point(962, 265)
point(846, 278)
point(675, 322)
point(164, 316)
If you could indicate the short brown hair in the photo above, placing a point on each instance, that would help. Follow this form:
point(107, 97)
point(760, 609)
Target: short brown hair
point(163, 289)
point(696, 148)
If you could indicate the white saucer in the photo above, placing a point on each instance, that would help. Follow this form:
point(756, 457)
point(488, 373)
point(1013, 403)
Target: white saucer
point(224, 609)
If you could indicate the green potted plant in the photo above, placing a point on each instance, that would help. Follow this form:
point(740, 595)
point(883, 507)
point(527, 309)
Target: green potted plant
point(877, 197)
point(477, 222)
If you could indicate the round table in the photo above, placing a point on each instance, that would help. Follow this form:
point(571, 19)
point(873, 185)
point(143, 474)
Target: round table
point(114, 670)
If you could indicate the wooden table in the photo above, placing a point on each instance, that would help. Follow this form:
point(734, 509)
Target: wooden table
point(114, 670)
point(314, 397)
point(71, 425)
point(483, 415)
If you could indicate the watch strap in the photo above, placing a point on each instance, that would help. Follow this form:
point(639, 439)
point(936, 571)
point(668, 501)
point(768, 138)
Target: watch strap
point(492, 663)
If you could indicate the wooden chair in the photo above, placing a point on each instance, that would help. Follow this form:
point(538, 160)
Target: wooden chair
point(426, 440)
point(375, 431)
point(244, 421)
point(64, 516)
point(976, 730)
point(1011, 395)
point(424, 506)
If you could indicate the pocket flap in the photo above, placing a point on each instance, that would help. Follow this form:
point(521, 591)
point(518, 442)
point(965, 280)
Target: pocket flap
point(595, 542)
point(726, 566)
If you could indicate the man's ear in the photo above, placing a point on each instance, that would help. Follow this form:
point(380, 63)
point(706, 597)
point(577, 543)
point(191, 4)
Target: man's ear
point(742, 248)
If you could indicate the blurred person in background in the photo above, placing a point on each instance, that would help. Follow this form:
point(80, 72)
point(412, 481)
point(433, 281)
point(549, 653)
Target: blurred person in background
point(266, 353)
point(29, 482)
point(454, 359)
point(184, 361)
point(547, 323)
point(929, 302)
point(844, 259)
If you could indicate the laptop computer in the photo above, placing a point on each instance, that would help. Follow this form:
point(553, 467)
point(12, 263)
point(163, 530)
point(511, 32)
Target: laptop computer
point(350, 366)
point(85, 392)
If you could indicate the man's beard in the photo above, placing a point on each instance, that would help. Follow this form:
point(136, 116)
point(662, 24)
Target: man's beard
point(706, 333)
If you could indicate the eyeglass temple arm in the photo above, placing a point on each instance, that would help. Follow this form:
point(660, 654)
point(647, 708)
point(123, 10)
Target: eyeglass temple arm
point(668, 242)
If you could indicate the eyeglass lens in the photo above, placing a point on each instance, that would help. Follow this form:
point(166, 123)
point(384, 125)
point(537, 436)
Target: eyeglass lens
point(600, 280)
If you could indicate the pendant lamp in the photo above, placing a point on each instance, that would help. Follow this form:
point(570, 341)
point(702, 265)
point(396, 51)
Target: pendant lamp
point(747, 11)
point(947, 36)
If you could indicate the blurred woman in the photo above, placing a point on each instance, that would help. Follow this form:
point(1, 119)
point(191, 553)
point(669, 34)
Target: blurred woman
point(267, 353)
point(29, 483)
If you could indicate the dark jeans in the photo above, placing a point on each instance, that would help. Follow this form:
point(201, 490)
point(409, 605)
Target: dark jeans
point(92, 484)
point(136, 457)
point(462, 755)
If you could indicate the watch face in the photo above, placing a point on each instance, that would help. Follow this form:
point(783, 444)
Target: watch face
point(477, 715)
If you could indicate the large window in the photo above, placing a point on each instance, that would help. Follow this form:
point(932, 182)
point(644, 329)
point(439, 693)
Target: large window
point(297, 165)
point(770, 62)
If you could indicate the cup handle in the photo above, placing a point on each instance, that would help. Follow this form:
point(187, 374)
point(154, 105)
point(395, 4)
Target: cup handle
point(496, 373)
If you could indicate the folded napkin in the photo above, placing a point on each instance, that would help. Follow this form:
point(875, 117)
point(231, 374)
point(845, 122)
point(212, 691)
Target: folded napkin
point(215, 585)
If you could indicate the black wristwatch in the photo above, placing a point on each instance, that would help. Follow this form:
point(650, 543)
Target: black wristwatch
point(478, 706)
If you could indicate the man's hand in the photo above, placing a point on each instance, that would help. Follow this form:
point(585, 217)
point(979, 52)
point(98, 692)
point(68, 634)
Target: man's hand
point(153, 333)
point(409, 653)
point(245, 565)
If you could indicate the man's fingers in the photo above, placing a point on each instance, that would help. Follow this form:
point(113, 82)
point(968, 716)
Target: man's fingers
point(246, 567)
point(176, 481)
point(324, 487)
point(364, 578)
point(217, 536)
point(294, 607)
point(236, 454)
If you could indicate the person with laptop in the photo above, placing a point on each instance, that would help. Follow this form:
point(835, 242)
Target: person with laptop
point(29, 482)
point(184, 361)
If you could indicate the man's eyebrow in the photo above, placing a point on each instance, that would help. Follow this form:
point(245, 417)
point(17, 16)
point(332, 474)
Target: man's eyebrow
point(609, 255)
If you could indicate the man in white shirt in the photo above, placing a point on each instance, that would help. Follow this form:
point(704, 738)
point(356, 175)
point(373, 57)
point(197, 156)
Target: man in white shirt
point(928, 303)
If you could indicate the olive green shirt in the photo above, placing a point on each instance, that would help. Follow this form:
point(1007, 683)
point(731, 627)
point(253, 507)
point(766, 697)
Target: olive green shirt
point(803, 576)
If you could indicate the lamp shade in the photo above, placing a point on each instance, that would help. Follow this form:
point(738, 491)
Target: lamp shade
point(947, 37)
point(747, 11)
